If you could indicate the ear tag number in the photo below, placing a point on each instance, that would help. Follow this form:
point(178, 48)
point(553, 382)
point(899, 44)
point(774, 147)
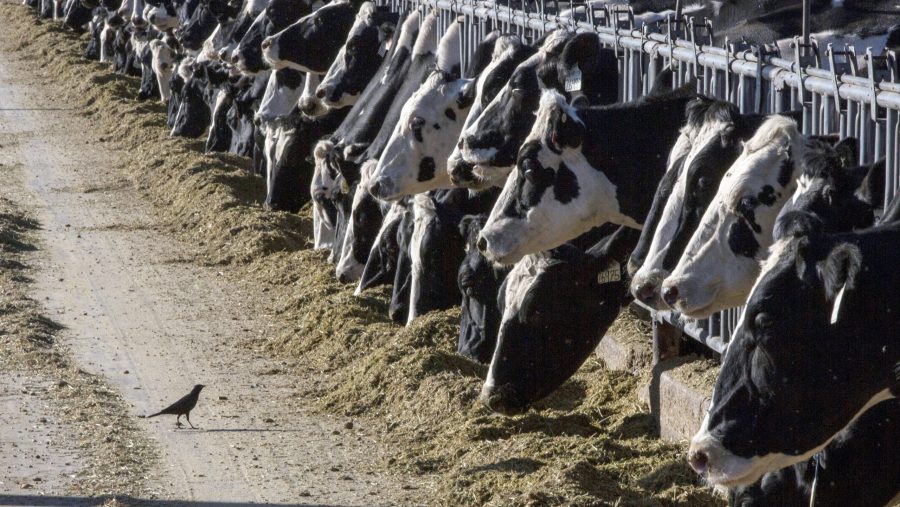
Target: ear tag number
point(611, 274)
point(573, 80)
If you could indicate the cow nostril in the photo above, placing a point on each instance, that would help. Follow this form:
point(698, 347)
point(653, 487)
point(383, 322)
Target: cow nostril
point(646, 292)
point(698, 461)
point(374, 188)
point(461, 143)
point(670, 295)
point(343, 278)
point(481, 244)
point(266, 43)
point(320, 93)
point(234, 59)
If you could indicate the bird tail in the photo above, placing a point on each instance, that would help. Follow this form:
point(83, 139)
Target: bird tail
point(152, 415)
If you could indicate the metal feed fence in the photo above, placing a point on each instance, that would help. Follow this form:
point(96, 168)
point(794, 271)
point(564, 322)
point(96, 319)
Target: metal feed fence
point(836, 97)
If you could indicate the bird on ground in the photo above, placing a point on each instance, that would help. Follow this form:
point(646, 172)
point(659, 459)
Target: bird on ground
point(182, 407)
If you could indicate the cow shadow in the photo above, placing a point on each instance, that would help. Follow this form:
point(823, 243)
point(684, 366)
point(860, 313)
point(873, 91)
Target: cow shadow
point(514, 465)
point(636, 426)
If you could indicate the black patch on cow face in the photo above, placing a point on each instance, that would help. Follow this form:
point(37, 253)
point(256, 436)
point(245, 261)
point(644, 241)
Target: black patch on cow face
point(565, 188)
point(785, 172)
point(313, 42)
point(565, 133)
point(766, 196)
point(741, 240)
point(449, 113)
point(426, 169)
point(746, 209)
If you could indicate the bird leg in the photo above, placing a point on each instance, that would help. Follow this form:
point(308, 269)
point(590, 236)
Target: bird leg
point(178, 421)
point(188, 417)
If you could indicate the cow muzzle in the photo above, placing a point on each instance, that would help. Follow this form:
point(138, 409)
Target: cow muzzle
point(503, 399)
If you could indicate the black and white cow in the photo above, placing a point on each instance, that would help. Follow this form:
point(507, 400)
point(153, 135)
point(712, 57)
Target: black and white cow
point(710, 142)
point(357, 61)
point(164, 59)
point(572, 65)
point(721, 260)
point(809, 356)
point(322, 189)
point(77, 16)
point(381, 265)
point(276, 16)
point(556, 307)
point(204, 20)
point(508, 52)
point(864, 453)
point(162, 14)
point(479, 282)
point(415, 158)
point(580, 168)
point(363, 226)
point(437, 247)
point(398, 310)
point(313, 41)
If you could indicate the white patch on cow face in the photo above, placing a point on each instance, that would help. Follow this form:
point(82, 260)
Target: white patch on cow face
point(278, 100)
point(423, 138)
point(365, 18)
point(424, 214)
point(729, 470)
point(710, 276)
point(322, 186)
point(551, 222)
point(308, 102)
point(221, 101)
point(160, 18)
point(688, 145)
point(107, 35)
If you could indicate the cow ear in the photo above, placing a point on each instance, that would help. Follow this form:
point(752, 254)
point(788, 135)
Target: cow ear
point(580, 101)
point(840, 269)
point(846, 150)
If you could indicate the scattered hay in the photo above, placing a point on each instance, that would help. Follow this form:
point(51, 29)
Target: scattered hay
point(591, 443)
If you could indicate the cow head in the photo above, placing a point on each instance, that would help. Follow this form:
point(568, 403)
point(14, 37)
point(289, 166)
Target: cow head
point(720, 262)
point(322, 190)
point(479, 281)
point(712, 140)
point(807, 358)
point(311, 43)
point(368, 42)
point(362, 229)
point(508, 52)
point(204, 20)
point(277, 15)
point(381, 266)
point(415, 157)
point(283, 90)
point(556, 308)
point(161, 14)
point(543, 202)
point(491, 142)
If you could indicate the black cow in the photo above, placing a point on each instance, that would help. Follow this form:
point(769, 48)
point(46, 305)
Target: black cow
point(76, 16)
point(557, 306)
point(399, 307)
point(479, 281)
point(809, 354)
point(203, 21)
point(865, 453)
point(381, 266)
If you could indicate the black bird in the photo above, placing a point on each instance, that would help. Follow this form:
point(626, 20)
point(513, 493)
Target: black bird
point(183, 406)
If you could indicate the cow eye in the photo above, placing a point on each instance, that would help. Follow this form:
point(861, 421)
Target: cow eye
point(762, 320)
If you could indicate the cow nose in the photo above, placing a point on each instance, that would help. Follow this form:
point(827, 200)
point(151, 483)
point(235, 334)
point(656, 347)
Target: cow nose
point(670, 295)
point(344, 277)
point(698, 461)
point(235, 58)
point(152, 18)
point(320, 93)
point(646, 292)
point(266, 43)
point(461, 143)
point(481, 244)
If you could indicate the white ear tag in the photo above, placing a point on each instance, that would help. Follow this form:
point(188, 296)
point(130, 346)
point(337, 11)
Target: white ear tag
point(611, 274)
point(573, 80)
point(385, 46)
point(837, 304)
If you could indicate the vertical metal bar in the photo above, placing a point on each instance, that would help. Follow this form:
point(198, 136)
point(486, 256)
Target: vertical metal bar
point(890, 156)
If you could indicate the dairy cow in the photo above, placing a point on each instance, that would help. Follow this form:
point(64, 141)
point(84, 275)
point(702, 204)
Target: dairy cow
point(381, 265)
point(357, 61)
point(720, 261)
point(276, 16)
point(809, 355)
point(556, 307)
point(582, 167)
point(710, 142)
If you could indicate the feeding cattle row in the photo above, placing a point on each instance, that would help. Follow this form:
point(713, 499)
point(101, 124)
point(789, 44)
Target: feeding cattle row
point(519, 189)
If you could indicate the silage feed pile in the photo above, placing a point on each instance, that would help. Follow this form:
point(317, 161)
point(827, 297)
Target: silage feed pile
point(589, 444)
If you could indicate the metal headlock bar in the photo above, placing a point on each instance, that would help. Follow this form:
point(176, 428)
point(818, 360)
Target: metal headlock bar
point(834, 96)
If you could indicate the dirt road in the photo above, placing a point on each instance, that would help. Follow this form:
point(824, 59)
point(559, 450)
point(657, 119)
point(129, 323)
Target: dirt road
point(153, 324)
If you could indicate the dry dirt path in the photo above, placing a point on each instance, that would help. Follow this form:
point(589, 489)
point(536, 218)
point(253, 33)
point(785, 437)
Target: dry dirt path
point(154, 324)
